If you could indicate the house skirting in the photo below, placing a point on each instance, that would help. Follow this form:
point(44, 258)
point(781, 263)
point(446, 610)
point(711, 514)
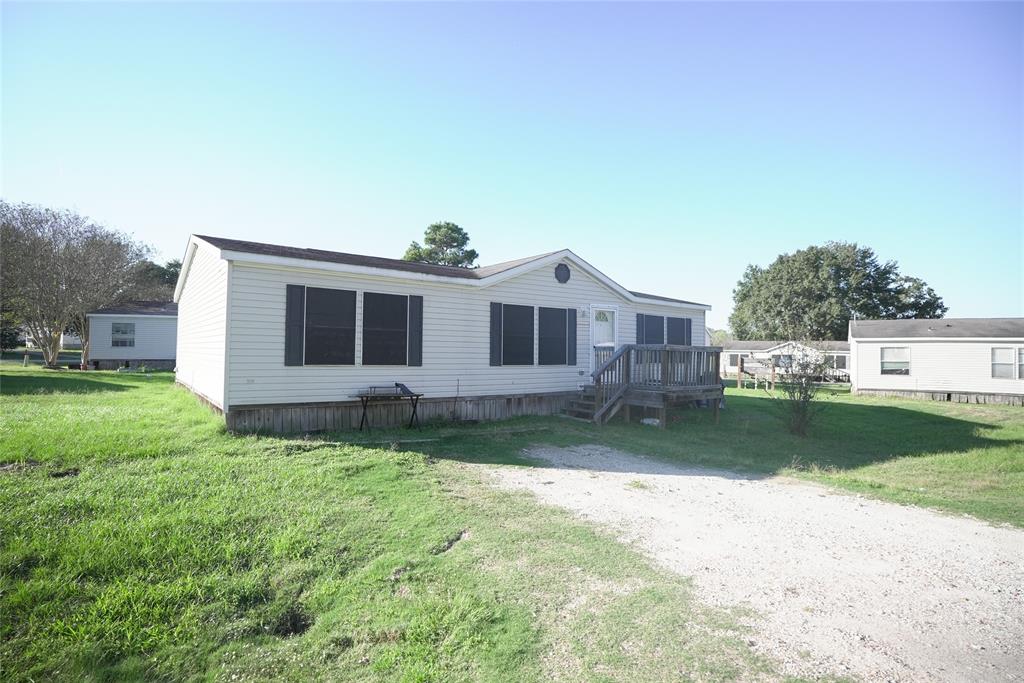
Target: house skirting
point(318, 417)
point(114, 364)
point(949, 396)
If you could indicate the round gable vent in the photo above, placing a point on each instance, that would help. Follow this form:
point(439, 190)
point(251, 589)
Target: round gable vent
point(562, 273)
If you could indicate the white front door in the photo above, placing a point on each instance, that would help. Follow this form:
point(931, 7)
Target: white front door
point(604, 333)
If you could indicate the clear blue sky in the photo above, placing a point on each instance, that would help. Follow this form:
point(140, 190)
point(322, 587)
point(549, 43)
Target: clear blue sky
point(668, 144)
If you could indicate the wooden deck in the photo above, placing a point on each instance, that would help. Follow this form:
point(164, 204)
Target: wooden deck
point(656, 376)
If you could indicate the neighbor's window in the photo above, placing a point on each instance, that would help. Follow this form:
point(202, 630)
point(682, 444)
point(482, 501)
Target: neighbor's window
point(895, 360)
point(330, 326)
point(734, 360)
point(517, 335)
point(840, 363)
point(552, 336)
point(385, 329)
point(1002, 363)
point(1020, 363)
point(122, 334)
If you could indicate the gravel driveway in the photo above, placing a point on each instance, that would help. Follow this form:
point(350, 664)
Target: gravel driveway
point(841, 584)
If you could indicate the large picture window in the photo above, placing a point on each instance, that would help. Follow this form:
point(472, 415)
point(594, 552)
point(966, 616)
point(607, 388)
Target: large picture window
point(330, 326)
point(122, 334)
point(1002, 362)
point(552, 336)
point(517, 335)
point(895, 360)
point(385, 329)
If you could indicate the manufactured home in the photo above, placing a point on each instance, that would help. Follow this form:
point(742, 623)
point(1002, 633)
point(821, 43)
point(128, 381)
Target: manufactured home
point(967, 360)
point(134, 334)
point(778, 353)
point(289, 339)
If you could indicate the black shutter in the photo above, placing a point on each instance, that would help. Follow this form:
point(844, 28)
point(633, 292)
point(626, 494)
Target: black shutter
point(495, 334)
point(689, 331)
point(570, 340)
point(294, 324)
point(640, 328)
point(415, 330)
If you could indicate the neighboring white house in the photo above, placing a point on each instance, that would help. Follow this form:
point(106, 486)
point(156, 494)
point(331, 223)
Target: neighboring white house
point(68, 340)
point(836, 353)
point(968, 360)
point(133, 334)
point(272, 335)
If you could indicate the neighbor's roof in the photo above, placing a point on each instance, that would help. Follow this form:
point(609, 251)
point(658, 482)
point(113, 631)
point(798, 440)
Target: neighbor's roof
point(264, 249)
point(740, 345)
point(368, 261)
point(938, 328)
point(139, 308)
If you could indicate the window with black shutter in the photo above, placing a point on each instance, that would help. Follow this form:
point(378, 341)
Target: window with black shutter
point(516, 335)
point(330, 326)
point(552, 336)
point(385, 329)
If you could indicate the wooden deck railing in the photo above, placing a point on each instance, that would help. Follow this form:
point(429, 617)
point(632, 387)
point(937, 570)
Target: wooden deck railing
point(656, 367)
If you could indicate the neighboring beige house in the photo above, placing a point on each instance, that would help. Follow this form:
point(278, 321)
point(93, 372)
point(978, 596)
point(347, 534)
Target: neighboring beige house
point(133, 334)
point(269, 332)
point(967, 360)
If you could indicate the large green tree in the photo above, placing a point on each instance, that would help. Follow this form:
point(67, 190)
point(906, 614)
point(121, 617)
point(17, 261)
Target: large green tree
point(814, 292)
point(444, 244)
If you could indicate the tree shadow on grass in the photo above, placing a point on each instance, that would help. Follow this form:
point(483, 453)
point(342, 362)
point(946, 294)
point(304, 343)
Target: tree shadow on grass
point(750, 438)
point(57, 382)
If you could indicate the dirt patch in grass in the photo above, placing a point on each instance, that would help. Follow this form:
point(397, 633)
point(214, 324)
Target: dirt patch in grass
point(838, 584)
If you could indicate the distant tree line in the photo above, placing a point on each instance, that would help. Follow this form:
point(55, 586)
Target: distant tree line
point(56, 266)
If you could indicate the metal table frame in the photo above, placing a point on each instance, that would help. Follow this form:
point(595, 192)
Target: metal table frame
point(399, 392)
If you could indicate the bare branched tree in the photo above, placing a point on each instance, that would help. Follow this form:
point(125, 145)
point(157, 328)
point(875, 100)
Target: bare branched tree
point(56, 266)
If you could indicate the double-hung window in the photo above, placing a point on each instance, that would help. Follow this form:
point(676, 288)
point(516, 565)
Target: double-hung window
point(330, 329)
point(1003, 361)
point(650, 329)
point(122, 334)
point(517, 335)
point(895, 360)
point(385, 329)
point(552, 336)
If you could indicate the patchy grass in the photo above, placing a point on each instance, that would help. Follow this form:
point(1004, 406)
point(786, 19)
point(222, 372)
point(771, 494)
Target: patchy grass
point(167, 549)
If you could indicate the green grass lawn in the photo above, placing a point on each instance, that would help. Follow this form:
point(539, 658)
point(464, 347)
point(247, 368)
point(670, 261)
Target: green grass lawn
point(138, 540)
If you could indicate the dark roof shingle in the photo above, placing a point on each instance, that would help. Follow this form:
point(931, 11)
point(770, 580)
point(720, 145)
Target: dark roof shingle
point(366, 261)
point(264, 249)
point(139, 308)
point(938, 328)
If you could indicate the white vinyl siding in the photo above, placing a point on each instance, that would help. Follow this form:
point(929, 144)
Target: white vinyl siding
point(938, 366)
point(132, 337)
point(202, 325)
point(456, 335)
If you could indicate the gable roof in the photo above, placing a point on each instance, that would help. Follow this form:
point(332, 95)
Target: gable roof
point(336, 260)
point(139, 308)
point(321, 255)
point(938, 328)
point(740, 345)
